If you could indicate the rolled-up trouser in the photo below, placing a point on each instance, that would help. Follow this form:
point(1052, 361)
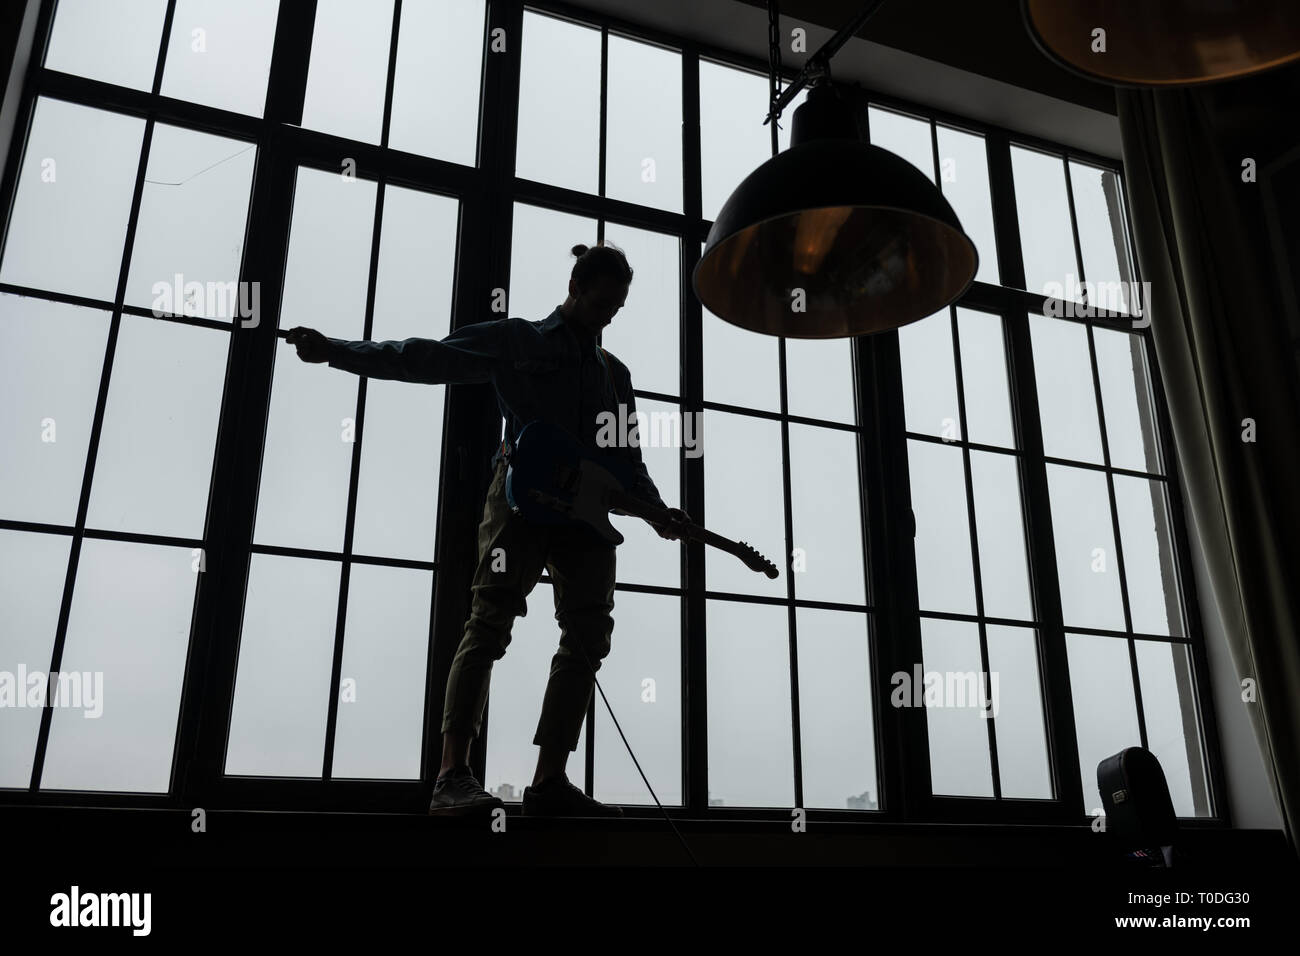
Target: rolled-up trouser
point(511, 555)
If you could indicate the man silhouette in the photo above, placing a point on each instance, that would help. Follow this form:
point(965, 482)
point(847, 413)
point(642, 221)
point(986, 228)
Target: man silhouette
point(554, 371)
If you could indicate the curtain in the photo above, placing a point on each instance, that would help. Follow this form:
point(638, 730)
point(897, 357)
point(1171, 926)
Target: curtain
point(1223, 355)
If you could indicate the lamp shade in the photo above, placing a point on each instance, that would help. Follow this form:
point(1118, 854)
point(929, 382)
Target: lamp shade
point(1165, 42)
point(832, 238)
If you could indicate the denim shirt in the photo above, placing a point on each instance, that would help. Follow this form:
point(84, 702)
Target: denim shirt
point(539, 370)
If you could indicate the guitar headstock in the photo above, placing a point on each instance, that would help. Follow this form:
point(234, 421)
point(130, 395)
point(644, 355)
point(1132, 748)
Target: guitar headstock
point(755, 561)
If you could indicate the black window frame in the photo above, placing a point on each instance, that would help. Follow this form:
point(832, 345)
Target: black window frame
point(487, 194)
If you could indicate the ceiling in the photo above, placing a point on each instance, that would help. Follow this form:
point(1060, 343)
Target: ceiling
point(987, 37)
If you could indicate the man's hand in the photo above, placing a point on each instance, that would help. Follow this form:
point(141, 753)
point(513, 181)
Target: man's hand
point(671, 531)
point(312, 345)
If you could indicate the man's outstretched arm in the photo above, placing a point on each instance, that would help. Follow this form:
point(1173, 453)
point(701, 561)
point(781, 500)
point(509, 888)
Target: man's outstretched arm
point(469, 355)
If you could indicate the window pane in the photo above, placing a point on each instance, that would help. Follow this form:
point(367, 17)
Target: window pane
point(385, 656)
point(740, 367)
point(733, 140)
point(929, 380)
point(645, 333)
point(819, 379)
point(1004, 572)
point(32, 568)
point(751, 759)
point(129, 626)
point(944, 576)
point(153, 469)
point(397, 486)
point(836, 712)
point(964, 179)
point(193, 213)
point(541, 263)
point(642, 678)
point(1066, 398)
point(308, 455)
point(68, 224)
point(644, 557)
point(743, 498)
point(1170, 711)
point(515, 700)
point(906, 136)
point(1103, 240)
point(559, 109)
point(1126, 401)
point(1105, 713)
point(643, 136)
point(51, 358)
point(438, 39)
point(1018, 721)
point(114, 42)
point(349, 69)
point(282, 680)
point(955, 707)
point(1085, 548)
point(220, 53)
point(827, 514)
point(984, 378)
point(1043, 209)
point(1148, 556)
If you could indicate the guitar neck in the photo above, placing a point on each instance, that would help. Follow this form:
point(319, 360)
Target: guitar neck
point(652, 513)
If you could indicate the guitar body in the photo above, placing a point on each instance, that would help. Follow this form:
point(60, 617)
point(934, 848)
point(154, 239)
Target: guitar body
point(553, 479)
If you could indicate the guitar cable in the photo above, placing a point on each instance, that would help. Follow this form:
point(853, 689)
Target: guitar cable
point(633, 756)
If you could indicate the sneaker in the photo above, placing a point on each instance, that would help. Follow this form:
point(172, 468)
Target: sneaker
point(458, 793)
point(558, 797)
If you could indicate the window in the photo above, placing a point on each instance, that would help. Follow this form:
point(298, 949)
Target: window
point(265, 560)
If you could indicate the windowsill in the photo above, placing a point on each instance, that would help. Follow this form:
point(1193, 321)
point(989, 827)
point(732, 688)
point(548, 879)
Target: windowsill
point(163, 837)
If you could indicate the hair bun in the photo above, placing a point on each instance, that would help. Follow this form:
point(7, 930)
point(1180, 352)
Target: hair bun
point(579, 250)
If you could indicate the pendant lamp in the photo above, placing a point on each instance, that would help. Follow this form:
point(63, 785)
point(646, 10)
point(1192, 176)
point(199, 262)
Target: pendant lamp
point(1165, 42)
point(833, 237)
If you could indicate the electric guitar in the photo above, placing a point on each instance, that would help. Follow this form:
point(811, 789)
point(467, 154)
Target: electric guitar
point(553, 479)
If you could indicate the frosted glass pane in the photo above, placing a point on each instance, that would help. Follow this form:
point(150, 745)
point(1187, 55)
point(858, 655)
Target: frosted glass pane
point(67, 228)
point(1067, 403)
point(130, 627)
point(836, 716)
point(819, 379)
point(1043, 210)
point(964, 179)
point(553, 99)
point(282, 679)
point(905, 136)
point(193, 214)
point(32, 570)
point(929, 377)
point(751, 760)
point(1085, 548)
point(1018, 722)
point(51, 358)
point(955, 721)
point(380, 725)
point(1170, 711)
point(643, 126)
point(944, 575)
point(827, 515)
point(349, 69)
point(744, 500)
point(219, 53)
point(111, 41)
point(153, 470)
point(437, 39)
